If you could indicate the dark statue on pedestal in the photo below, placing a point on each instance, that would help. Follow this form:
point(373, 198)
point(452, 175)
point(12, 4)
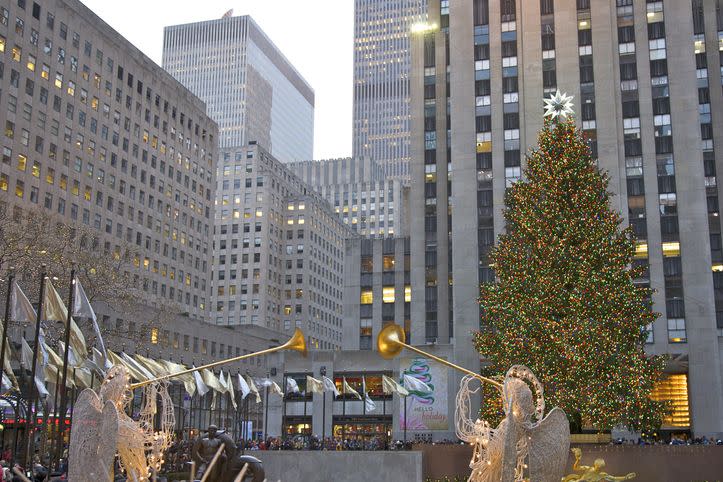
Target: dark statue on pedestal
point(229, 464)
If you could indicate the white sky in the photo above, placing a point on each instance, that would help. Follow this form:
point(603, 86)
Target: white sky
point(315, 35)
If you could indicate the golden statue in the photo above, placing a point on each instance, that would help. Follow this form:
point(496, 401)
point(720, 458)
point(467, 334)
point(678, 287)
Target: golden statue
point(594, 473)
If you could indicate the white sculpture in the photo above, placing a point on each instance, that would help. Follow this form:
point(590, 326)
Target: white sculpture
point(101, 428)
point(524, 446)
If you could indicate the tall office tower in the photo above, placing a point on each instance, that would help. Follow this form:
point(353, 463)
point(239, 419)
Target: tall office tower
point(279, 250)
point(381, 81)
point(251, 90)
point(99, 135)
point(363, 197)
point(646, 78)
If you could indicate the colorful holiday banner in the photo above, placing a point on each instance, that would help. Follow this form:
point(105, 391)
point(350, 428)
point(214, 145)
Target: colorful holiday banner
point(425, 410)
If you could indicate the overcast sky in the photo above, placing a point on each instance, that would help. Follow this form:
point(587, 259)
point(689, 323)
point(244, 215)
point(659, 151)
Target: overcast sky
point(315, 35)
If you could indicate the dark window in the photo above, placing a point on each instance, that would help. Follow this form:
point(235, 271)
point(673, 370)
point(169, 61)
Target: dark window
point(584, 37)
point(547, 7)
point(626, 34)
point(698, 18)
point(480, 12)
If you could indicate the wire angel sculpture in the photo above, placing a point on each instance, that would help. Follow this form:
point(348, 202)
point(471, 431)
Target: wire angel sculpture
point(102, 428)
point(524, 446)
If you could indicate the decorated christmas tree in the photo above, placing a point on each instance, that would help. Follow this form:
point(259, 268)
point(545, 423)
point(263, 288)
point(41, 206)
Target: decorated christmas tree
point(564, 302)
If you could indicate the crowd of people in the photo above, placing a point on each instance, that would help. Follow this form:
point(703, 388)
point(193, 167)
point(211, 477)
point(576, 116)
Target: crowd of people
point(674, 440)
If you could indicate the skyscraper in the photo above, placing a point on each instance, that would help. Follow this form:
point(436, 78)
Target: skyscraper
point(279, 256)
point(646, 78)
point(118, 145)
point(251, 90)
point(381, 81)
point(366, 200)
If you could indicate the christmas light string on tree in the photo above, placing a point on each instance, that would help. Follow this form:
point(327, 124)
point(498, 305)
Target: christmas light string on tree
point(564, 302)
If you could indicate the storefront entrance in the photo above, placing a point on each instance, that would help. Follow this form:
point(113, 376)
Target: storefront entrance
point(364, 432)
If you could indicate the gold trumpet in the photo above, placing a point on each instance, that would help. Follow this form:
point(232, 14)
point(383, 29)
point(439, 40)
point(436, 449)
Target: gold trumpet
point(297, 343)
point(391, 341)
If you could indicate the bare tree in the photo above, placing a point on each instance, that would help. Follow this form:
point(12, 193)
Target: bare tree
point(109, 269)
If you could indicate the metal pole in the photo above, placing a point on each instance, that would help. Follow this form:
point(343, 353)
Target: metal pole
point(6, 321)
point(66, 352)
point(266, 413)
point(405, 421)
point(180, 408)
point(323, 419)
point(245, 427)
point(30, 424)
point(343, 410)
point(17, 429)
point(55, 445)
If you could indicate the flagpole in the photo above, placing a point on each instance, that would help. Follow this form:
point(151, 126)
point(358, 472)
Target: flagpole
point(64, 376)
point(343, 409)
point(30, 423)
point(56, 426)
point(266, 412)
point(6, 321)
point(323, 419)
point(405, 421)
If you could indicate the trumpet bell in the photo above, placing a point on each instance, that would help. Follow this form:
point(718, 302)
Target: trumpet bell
point(297, 342)
point(390, 341)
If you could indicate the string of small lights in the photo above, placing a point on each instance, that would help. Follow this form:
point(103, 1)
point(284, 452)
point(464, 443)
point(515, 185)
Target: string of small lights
point(564, 302)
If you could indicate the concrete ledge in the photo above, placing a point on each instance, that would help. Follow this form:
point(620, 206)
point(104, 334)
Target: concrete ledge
point(659, 463)
point(308, 466)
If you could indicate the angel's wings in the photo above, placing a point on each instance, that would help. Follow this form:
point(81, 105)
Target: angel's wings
point(549, 446)
point(93, 439)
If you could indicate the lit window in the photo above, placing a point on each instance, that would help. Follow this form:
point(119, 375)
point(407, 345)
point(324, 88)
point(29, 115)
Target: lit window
point(388, 262)
point(676, 330)
point(671, 249)
point(388, 294)
point(407, 294)
point(31, 63)
point(22, 162)
point(59, 80)
point(641, 250)
point(154, 336)
point(17, 52)
point(673, 388)
point(366, 297)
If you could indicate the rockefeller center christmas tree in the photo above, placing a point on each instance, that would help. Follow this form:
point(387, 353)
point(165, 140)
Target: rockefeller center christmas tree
point(564, 302)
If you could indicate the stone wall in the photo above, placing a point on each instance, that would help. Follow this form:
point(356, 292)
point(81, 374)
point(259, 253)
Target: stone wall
point(664, 463)
point(309, 466)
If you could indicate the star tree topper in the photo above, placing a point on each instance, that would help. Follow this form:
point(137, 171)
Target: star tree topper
point(558, 105)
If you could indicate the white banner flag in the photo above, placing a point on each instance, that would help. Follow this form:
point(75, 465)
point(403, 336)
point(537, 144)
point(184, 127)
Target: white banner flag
point(330, 386)
point(243, 386)
point(82, 308)
point(414, 384)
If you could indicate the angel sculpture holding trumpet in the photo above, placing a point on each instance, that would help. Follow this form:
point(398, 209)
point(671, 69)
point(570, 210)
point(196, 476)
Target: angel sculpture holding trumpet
point(526, 445)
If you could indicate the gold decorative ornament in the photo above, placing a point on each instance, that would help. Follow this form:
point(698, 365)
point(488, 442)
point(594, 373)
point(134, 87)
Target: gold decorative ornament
point(391, 341)
point(592, 473)
point(297, 343)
